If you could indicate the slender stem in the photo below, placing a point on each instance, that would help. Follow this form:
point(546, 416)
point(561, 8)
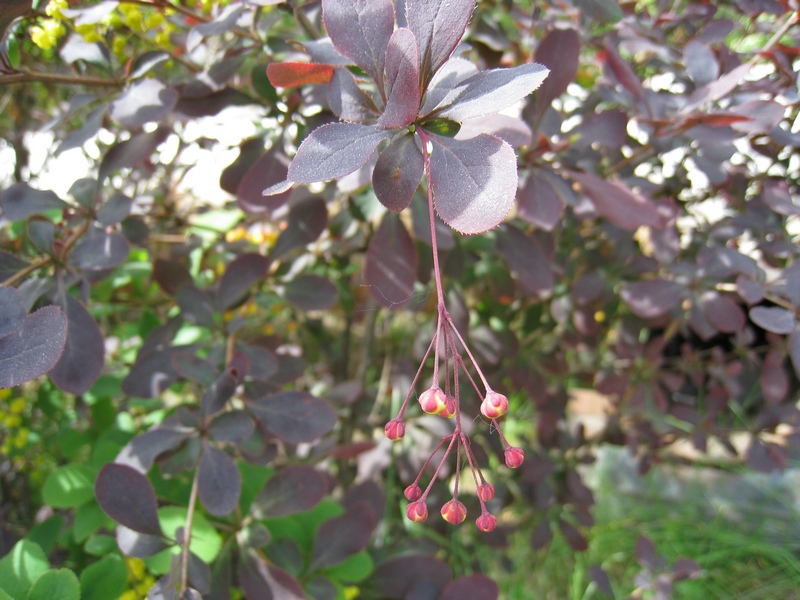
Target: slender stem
point(469, 353)
point(427, 462)
point(453, 438)
point(437, 274)
point(416, 377)
point(187, 529)
point(26, 271)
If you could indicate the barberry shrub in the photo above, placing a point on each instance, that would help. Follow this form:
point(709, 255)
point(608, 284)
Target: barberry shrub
point(479, 209)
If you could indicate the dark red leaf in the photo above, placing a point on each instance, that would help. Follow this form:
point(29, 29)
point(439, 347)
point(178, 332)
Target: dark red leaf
point(397, 173)
point(295, 74)
point(33, 348)
point(773, 318)
point(342, 536)
point(391, 577)
point(723, 313)
point(243, 272)
point(131, 153)
point(360, 30)
point(268, 170)
point(701, 63)
point(311, 292)
point(12, 311)
point(235, 427)
point(391, 266)
point(128, 497)
point(306, 221)
point(100, 250)
point(84, 352)
point(542, 534)
point(150, 375)
point(142, 451)
point(652, 298)
point(295, 417)
point(623, 72)
point(471, 587)
point(293, 489)
point(527, 259)
point(576, 540)
point(219, 392)
point(558, 51)
point(20, 201)
point(219, 483)
point(262, 581)
point(618, 203)
point(646, 553)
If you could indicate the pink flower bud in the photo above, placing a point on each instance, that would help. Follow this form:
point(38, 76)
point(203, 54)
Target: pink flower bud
point(417, 511)
point(486, 491)
point(433, 401)
point(395, 429)
point(494, 405)
point(454, 512)
point(486, 522)
point(449, 410)
point(514, 457)
point(413, 492)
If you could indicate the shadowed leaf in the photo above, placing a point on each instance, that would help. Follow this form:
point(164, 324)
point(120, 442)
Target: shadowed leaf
point(391, 577)
point(295, 417)
point(219, 481)
point(391, 265)
point(294, 489)
point(471, 587)
point(306, 221)
point(234, 426)
point(618, 203)
point(398, 172)
point(20, 201)
point(34, 348)
point(539, 203)
point(142, 451)
point(243, 272)
point(268, 170)
point(311, 292)
point(652, 298)
point(342, 536)
point(12, 311)
point(150, 375)
point(262, 581)
point(100, 250)
point(219, 392)
point(128, 497)
point(558, 51)
point(347, 100)
point(529, 262)
point(402, 76)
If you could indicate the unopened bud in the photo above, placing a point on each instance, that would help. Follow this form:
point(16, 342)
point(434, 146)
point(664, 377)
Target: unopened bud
point(486, 491)
point(433, 401)
point(454, 512)
point(449, 410)
point(486, 522)
point(494, 405)
point(417, 511)
point(395, 429)
point(514, 457)
point(413, 492)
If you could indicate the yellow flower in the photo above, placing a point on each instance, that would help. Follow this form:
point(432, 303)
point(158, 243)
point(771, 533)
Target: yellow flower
point(5, 394)
point(154, 20)
point(13, 421)
point(54, 8)
point(89, 33)
point(21, 439)
point(119, 46)
point(17, 405)
point(46, 34)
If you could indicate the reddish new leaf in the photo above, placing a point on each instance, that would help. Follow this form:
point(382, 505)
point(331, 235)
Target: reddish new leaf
point(391, 267)
point(343, 536)
point(360, 30)
point(84, 352)
point(438, 26)
point(397, 173)
point(474, 181)
point(219, 483)
point(294, 489)
point(652, 298)
point(335, 150)
point(295, 74)
point(33, 348)
point(128, 497)
point(618, 203)
point(471, 587)
point(402, 75)
point(295, 417)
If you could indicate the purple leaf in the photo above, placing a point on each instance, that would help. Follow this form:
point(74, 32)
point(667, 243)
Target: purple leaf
point(420, 216)
point(139, 545)
point(12, 311)
point(623, 72)
point(491, 91)
point(21, 201)
point(646, 553)
point(196, 305)
point(219, 482)
point(794, 350)
point(723, 313)
point(471, 587)
point(750, 291)
point(438, 26)
point(33, 348)
point(391, 577)
point(233, 427)
point(294, 489)
point(348, 101)
point(600, 577)
point(142, 451)
point(335, 150)
point(145, 101)
point(311, 292)
point(391, 267)
point(100, 250)
point(528, 261)
point(774, 379)
point(700, 62)
point(773, 318)
point(150, 375)
point(128, 497)
point(269, 169)
point(306, 221)
point(397, 173)
point(84, 352)
point(262, 581)
point(538, 202)
point(114, 210)
point(243, 272)
point(473, 181)
point(360, 30)
point(295, 417)
point(652, 298)
point(558, 51)
point(618, 203)
point(511, 130)
point(219, 392)
point(131, 153)
point(342, 536)
point(402, 78)
point(224, 22)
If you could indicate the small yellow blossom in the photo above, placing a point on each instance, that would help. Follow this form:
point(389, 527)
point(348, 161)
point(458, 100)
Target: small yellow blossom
point(17, 405)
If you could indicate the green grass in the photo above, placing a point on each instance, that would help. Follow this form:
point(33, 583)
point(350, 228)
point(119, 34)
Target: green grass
point(752, 555)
